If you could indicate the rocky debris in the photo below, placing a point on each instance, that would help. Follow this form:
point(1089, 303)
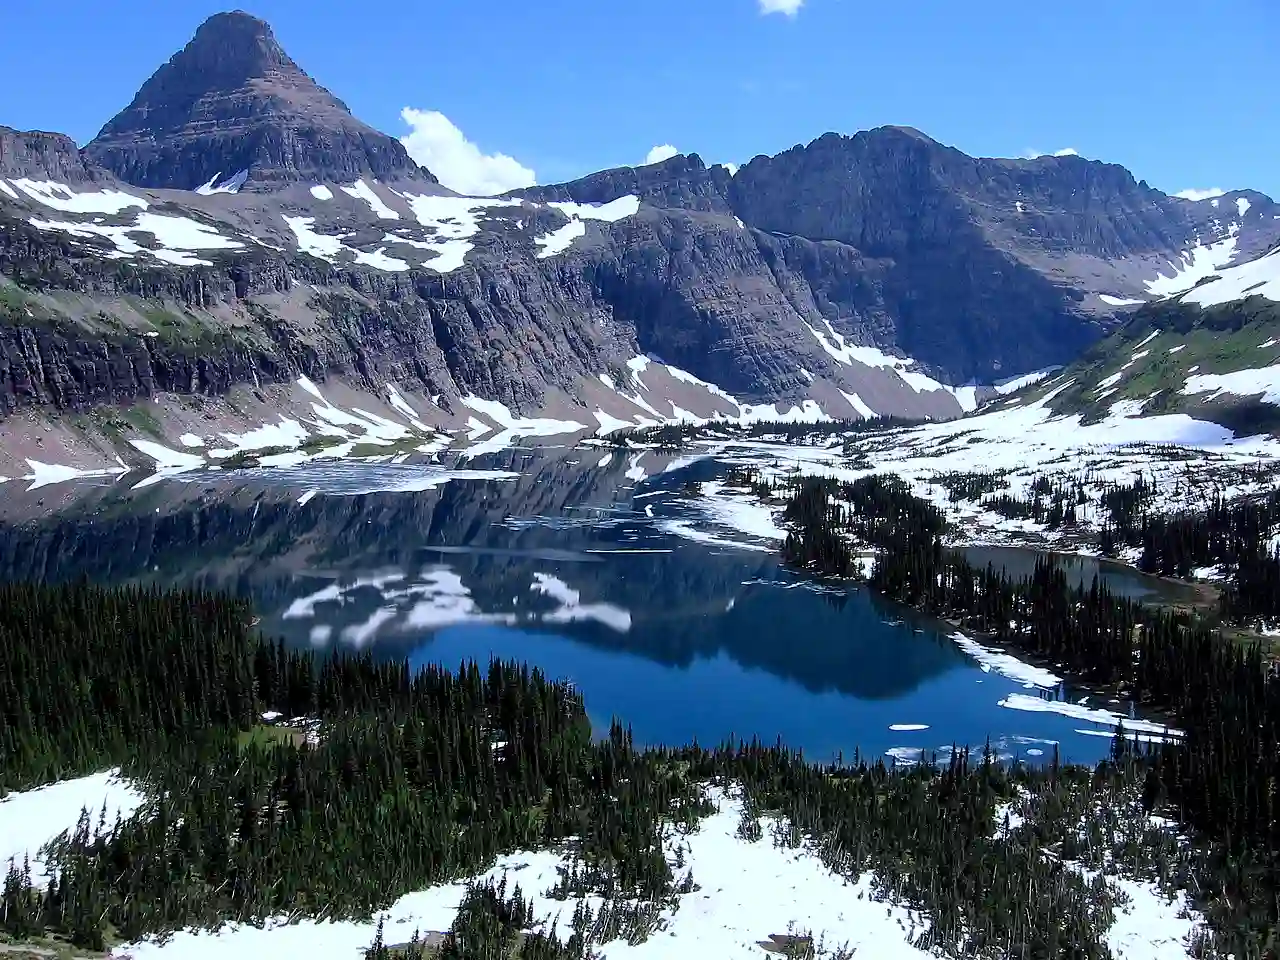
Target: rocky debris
point(232, 100)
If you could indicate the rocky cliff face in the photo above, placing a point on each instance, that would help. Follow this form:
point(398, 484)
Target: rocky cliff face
point(232, 100)
point(37, 155)
point(852, 274)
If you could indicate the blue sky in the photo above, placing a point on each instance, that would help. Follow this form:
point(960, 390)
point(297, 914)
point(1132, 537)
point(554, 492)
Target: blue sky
point(1180, 91)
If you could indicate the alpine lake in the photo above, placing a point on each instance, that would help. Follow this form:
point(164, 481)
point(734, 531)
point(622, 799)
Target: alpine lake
point(593, 566)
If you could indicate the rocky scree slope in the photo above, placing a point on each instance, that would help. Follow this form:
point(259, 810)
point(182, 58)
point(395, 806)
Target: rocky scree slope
point(236, 228)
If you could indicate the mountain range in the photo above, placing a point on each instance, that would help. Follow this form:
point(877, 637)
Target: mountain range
point(235, 241)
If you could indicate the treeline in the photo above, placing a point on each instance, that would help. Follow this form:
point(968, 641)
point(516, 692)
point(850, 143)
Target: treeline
point(88, 676)
point(1222, 777)
point(967, 485)
point(828, 516)
point(414, 777)
point(669, 436)
point(1235, 536)
point(1052, 502)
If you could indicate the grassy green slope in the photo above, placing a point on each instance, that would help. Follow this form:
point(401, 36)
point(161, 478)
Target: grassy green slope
point(1132, 365)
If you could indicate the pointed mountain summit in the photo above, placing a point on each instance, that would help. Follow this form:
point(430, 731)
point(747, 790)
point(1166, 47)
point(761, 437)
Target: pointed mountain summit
point(233, 101)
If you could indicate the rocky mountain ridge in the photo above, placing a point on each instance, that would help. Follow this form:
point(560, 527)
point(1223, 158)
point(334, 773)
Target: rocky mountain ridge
point(853, 276)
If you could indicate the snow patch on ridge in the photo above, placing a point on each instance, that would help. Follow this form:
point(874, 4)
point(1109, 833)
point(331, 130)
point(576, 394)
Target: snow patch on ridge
point(454, 221)
point(560, 239)
point(362, 191)
point(610, 212)
point(1256, 278)
point(59, 196)
point(176, 236)
point(230, 185)
point(1194, 265)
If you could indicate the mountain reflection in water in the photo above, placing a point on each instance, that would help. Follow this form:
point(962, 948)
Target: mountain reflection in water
point(558, 565)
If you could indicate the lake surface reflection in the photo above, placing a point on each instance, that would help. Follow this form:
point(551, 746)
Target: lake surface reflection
point(571, 565)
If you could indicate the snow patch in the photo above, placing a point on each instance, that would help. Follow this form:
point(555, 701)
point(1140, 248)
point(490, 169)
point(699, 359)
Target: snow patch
point(1257, 278)
point(1196, 264)
point(1264, 381)
point(1005, 664)
point(513, 426)
point(174, 234)
point(165, 458)
point(362, 191)
point(1014, 384)
point(610, 212)
point(61, 197)
point(230, 185)
point(748, 892)
point(453, 220)
point(858, 405)
point(1098, 715)
point(32, 818)
point(560, 239)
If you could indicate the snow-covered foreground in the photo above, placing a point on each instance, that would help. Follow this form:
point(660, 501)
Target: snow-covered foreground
point(30, 819)
point(747, 892)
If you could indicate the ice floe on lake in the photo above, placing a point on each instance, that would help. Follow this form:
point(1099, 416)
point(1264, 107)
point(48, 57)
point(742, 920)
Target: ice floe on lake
point(1097, 715)
point(1005, 664)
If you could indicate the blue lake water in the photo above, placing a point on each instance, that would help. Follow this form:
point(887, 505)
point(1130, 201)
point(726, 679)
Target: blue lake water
point(570, 566)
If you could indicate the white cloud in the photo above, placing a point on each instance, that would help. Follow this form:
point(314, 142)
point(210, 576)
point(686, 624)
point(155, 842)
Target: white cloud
point(788, 7)
point(435, 143)
point(1064, 152)
point(1194, 194)
point(663, 151)
point(731, 167)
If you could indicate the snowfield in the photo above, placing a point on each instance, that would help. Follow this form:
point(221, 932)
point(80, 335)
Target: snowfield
point(1257, 278)
point(748, 892)
point(1196, 264)
point(30, 819)
point(1022, 439)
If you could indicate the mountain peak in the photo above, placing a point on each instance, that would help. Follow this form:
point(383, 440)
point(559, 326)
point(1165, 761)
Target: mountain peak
point(235, 46)
point(233, 100)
